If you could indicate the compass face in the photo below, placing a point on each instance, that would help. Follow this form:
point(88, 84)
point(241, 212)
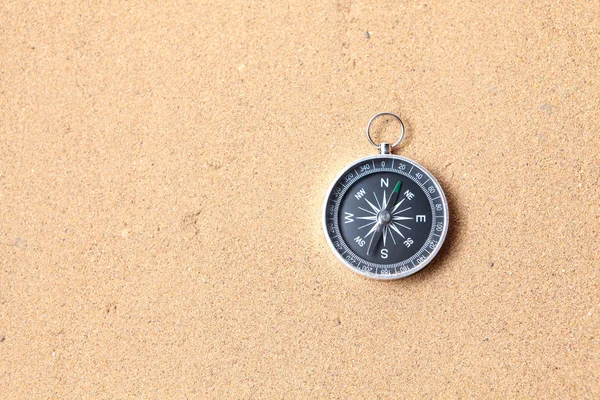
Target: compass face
point(386, 217)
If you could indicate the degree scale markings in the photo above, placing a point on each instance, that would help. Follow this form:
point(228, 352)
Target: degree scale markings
point(367, 171)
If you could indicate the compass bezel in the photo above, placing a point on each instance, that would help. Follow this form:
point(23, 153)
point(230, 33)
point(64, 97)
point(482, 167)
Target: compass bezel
point(444, 214)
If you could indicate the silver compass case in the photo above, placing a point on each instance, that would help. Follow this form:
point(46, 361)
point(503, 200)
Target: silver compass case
point(385, 216)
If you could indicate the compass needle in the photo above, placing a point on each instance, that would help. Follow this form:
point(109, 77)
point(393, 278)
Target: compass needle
point(375, 238)
point(396, 232)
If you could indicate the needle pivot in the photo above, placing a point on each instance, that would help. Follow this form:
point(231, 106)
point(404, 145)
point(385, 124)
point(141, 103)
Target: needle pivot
point(384, 217)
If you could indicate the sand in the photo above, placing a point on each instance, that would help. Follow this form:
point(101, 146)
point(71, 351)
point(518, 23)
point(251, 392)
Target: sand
point(162, 173)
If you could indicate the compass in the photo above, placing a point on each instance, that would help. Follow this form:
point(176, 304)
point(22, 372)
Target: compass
point(385, 216)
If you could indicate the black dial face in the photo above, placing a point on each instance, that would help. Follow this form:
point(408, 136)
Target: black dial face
point(386, 217)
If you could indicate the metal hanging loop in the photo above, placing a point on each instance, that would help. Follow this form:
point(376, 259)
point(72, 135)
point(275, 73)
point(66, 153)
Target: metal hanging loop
point(385, 148)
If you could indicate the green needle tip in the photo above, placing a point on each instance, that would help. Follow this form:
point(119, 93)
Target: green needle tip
point(397, 188)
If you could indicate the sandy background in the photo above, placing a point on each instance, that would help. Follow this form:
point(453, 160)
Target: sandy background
point(163, 168)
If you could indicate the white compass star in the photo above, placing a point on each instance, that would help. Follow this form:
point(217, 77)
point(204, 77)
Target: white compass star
point(393, 227)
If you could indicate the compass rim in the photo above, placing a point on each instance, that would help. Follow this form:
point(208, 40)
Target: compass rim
point(428, 259)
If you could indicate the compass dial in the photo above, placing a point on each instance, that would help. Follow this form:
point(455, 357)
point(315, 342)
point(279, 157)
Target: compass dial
point(386, 217)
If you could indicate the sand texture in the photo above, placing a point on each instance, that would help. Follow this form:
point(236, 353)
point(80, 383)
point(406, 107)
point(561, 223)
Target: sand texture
point(163, 167)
